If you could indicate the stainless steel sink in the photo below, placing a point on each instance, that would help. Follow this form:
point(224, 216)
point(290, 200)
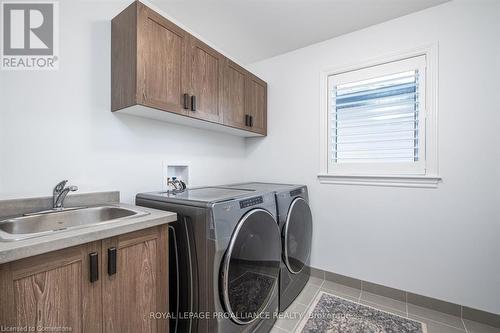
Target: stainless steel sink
point(44, 223)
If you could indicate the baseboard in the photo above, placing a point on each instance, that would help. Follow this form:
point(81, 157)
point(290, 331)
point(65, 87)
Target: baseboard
point(401, 295)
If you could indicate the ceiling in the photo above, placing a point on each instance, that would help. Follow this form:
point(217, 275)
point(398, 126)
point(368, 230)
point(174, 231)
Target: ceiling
point(252, 30)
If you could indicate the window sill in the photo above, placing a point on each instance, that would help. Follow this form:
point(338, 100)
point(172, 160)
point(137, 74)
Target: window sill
point(388, 180)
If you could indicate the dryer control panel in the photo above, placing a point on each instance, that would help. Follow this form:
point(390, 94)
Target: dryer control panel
point(296, 192)
point(251, 202)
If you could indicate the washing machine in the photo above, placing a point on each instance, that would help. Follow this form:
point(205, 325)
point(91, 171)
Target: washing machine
point(295, 222)
point(224, 259)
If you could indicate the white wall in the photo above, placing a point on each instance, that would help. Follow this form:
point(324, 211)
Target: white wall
point(442, 242)
point(57, 125)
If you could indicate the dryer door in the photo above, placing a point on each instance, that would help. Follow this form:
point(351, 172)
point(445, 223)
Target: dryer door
point(297, 235)
point(251, 266)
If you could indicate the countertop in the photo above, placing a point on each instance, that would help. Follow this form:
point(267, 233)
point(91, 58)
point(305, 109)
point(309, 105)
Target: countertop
point(10, 251)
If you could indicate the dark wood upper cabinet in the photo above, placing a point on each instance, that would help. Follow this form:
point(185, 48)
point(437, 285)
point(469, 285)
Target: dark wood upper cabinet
point(233, 96)
point(161, 61)
point(160, 71)
point(204, 80)
point(148, 59)
point(256, 103)
point(244, 99)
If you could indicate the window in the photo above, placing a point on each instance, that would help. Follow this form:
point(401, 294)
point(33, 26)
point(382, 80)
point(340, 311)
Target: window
point(376, 122)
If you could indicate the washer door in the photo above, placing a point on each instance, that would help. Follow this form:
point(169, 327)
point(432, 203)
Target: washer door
point(297, 234)
point(251, 266)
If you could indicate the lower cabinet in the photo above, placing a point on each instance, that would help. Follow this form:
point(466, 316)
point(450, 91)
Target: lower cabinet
point(52, 290)
point(139, 287)
point(113, 285)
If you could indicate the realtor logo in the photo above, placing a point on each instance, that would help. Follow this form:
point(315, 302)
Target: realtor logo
point(30, 36)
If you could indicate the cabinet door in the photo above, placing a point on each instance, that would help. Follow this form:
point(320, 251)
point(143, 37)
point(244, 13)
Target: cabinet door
point(233, 95)
point(256, 104)
point(52, 290)
point(139, 286)
point(161, 51)
point(204, 80)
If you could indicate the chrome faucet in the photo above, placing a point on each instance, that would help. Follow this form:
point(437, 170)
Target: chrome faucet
point(59, 194)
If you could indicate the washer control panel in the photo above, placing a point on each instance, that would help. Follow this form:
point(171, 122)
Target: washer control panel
point(251, 202)
point(296, 192)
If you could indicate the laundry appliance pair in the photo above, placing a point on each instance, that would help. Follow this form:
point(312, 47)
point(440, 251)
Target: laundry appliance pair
point(238, 254)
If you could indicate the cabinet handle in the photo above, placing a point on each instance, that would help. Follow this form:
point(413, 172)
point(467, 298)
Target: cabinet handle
point(247, 120)
point(112, 260)
point(251, 121)
point(94, 266)
point(186, 101)
point(193, 103)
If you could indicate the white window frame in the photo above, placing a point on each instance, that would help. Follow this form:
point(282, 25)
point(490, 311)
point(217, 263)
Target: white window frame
point(423, 173)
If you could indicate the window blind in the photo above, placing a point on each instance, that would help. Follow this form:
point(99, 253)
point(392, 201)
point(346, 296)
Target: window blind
point(376, 120)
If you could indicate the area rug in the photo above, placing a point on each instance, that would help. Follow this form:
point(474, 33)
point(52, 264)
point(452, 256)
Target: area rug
point(331, 314)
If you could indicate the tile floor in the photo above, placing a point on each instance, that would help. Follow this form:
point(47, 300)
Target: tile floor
point(437, 322)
